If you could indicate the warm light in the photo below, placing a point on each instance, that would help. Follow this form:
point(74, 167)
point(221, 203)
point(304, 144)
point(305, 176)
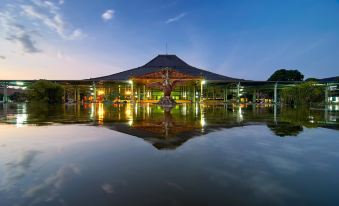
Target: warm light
point(203, 82)
point(101, 92)
point(101, 113)
point(128, 92)
point(130, 81)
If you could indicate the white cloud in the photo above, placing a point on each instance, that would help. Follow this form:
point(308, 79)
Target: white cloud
point(25, 22)
point(107, 15)
point(49, 15)
point(49, 189)
point(176, 18)
point(76, 34)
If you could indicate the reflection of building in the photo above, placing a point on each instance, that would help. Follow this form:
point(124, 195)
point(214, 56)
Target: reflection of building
point(166, 129)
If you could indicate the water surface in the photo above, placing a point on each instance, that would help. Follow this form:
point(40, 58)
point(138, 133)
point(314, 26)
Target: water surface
point(189, 155)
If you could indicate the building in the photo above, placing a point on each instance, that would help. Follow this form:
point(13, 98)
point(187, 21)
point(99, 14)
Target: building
point(190, 84)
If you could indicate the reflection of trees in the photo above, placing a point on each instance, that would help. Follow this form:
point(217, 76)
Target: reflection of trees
point(302, 116)
point(40, 113)
point(283, 129)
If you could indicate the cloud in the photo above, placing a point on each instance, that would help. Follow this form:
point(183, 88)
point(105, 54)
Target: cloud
point(25, 23)
point(176, 18)
point(108, 15)
point(18, 169)
point(2, 57)
point(61, 2)
point(26, 42)
point(50, 188)
point(18, 33)
point(49, 15)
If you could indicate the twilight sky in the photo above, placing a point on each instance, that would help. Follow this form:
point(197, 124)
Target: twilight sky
point(77, 39)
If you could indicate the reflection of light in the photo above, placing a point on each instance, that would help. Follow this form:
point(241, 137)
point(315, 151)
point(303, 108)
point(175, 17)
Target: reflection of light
point(202, 121)
point(21, 118)
point(130, 81)
point(101, 92)
point(101, 113)
point(19, 83)
point(203, 81)
point(129, 114)
point(128, 92)
point(148, 109)
point(202, 117)
point(184, 109)
point(240, 117)
point(148, 94)
point(92, 110)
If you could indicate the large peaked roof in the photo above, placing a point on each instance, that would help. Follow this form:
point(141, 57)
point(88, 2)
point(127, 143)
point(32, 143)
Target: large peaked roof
point(165, 61)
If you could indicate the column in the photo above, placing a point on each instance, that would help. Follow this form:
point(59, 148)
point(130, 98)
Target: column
point(139, 94)
point(201, 90)
point(5, 97)
point(144, 93)
point(275, 92)
point(238, 92)
point(78, 95)
point(275, 113)
point(225, 93)
point(193, 96)
point(94, 92)
point(132, 92)
point(254, 98)
point(64, 100)
point(326, 93)
point(75, 94)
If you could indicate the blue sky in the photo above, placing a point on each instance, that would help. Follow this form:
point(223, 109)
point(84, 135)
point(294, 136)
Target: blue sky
point(75, 39)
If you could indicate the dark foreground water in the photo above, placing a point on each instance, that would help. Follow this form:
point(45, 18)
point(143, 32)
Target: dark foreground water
point(190, 155)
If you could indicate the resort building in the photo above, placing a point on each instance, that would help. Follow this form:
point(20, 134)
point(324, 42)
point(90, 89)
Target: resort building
point(188, 84)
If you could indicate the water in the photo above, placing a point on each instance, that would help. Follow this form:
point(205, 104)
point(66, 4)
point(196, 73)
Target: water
point(190, 155)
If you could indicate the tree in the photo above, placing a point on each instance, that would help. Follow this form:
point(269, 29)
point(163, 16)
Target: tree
point(18, 97)
point(286, 75)
point(45, 91)
point(303, 94)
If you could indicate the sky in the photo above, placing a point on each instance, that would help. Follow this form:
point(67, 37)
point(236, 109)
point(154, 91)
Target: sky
point(78, 39)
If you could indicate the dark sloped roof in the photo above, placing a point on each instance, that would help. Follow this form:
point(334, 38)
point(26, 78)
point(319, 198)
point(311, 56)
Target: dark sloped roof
point(163, 61)
point(330, 79)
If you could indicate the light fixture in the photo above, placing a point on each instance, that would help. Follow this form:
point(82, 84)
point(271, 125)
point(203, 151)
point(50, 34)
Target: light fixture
point(128, 92)
point(101, 92)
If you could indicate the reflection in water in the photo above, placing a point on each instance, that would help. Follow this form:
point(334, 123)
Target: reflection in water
point(87, 156)
point(170, 128)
